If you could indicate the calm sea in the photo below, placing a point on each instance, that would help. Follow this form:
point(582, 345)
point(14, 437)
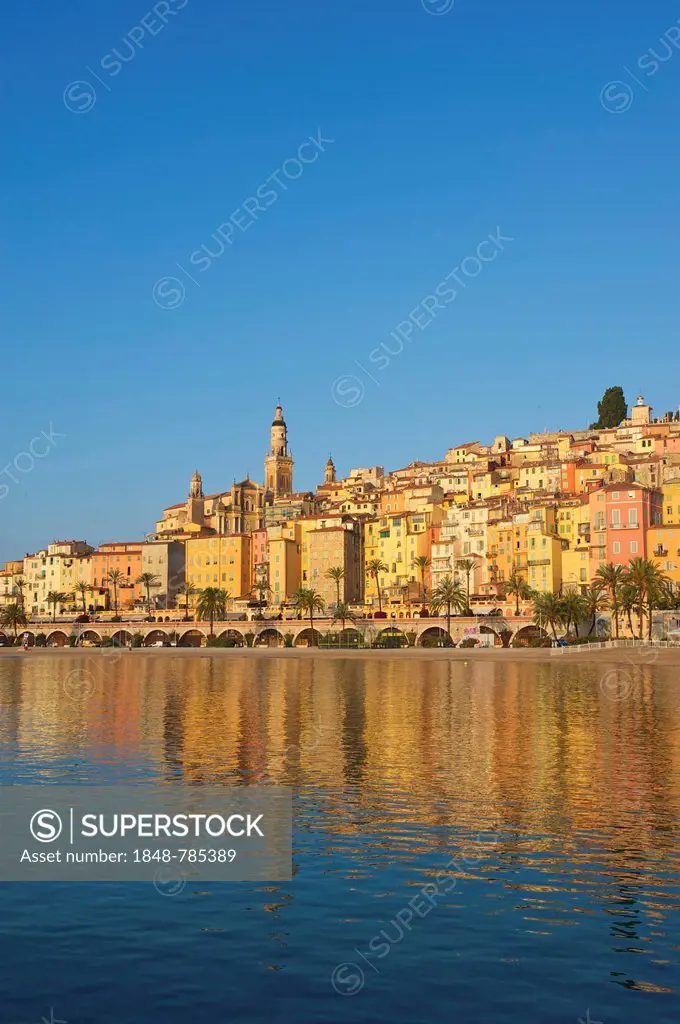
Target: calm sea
point(548, 795)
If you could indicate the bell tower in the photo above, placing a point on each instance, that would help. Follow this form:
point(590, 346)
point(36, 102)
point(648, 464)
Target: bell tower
point(195, 501)
point(329, 475)
point(278, 463)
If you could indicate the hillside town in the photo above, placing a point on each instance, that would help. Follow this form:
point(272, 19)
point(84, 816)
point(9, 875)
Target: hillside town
point(545, 511)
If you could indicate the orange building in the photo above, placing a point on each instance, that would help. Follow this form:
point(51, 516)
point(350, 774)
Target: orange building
point(127, 558)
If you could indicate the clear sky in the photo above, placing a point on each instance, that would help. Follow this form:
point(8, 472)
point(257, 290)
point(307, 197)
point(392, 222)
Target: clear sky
point(448, 125)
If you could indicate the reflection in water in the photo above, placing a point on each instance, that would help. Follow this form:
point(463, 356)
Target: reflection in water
point(565, 800)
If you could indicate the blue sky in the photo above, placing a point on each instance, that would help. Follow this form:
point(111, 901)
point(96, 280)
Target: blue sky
point(446, 128)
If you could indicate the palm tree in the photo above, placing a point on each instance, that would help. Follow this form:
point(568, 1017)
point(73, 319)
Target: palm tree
point(188, 590)
point(342, 613)
point(212, 604)
point(650, 585)
point(423, 563)
point(54, 598)
point(337, 574)
point(468, 565)
point(627, 604)
point(642, 578)
point(448, 593)
point(308, 600)
point(83, 589)
point(612, 578)
point(114, 577)
point(148, 580)
point(574, 607)
point(548, 607)
point(19, 584)
point(13, 615)
point(373, 568)
point(518, 588)
point(595, 600)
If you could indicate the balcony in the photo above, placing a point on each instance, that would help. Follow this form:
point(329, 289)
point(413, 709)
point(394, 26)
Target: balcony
point(660, 551)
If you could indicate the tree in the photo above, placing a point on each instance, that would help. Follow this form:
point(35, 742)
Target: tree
point(83, 589)
point(212, 604)
point(115, 577)
point(18, 590)
point(307, 600)
point(548, 608)
point(649, 586)
point(518, 588)
point(449, 594)
point(373, 568)
point(148, 580)
point(612, 577)
point(54, 598)
point(595, 600)
point(574, 608)
point(639, 580)
point(342, 613)
point(468, 565)
point(422, 563)
point(627, 603)
point(337, 574)
point(188, 590)
point(612, 410)
point(13, 615)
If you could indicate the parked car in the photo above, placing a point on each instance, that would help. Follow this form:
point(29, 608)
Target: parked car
point(560, 643)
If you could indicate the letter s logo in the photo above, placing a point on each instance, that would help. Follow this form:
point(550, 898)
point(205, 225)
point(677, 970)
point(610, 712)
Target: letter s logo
point(46, 826)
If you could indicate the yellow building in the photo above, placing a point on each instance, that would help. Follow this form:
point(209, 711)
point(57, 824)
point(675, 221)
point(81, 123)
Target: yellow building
point(544, 550)
point(55, 569)
point(671, 503)
point(12, 572)
point(663, 546)
point(397, 540)
point(222, 561)
point(285, 573)
point(573, 524)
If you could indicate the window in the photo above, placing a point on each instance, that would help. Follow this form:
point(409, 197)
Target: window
point(632, 517)
point(616, 517)
point(616, 496)
point(616, 548)
point(633, 547)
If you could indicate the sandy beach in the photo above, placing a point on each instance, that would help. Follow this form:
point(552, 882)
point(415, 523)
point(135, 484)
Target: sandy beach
point(611, 656)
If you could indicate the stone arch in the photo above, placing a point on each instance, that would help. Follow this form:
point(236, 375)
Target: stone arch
point(4, 638)
point(57, 638)
point(525, 634)
point(191, 638)
point(28, 636)
point(269, 637)
point(154, 636)
point(232, 634)
point(91, 635)
point(497, 642)
point(350, 636)
point(122, 638)
point(435, 636)
point(305, 638)
point(392, 637)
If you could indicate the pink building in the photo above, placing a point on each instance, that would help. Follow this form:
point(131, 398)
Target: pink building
point(620, 515)
point(259, 554)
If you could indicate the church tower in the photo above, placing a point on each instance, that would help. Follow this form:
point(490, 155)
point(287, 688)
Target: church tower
point(195, 501)
point(329, 476)
point(278, 463)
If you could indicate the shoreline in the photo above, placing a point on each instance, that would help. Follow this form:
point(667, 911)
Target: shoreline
point(617, 656)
